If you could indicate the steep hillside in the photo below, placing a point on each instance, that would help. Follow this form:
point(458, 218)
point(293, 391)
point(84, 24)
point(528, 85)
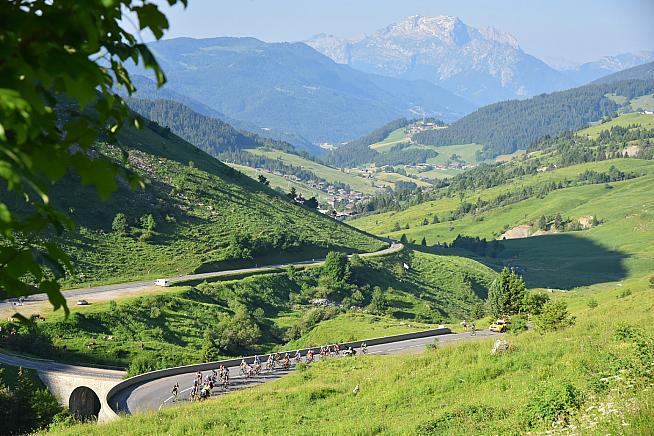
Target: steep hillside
point(483, 65)
point(209, 133)
point(506, 127)
point(593, 376)
point(205, 215)
point(292, 87)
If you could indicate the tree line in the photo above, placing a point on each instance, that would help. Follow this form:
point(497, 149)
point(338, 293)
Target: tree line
point(511, 125)
point(358, 151)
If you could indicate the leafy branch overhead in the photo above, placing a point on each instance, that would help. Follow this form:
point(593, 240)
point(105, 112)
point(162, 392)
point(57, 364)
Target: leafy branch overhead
point(60, 65)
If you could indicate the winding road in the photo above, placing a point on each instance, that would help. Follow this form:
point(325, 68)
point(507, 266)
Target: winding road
point(38, 303)
point(155, 394)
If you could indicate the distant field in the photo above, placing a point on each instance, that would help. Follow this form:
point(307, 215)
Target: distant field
point(645, 102)
point(508, 157)
point(619, 99)
point(280, 182)
point(330, 174)
point(395, 177)
point(465, 151)
point(646, 121)
point(435, 174)
point(395, 137)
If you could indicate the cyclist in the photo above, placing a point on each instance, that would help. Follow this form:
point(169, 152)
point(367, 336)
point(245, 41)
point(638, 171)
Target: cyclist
point(175, 392)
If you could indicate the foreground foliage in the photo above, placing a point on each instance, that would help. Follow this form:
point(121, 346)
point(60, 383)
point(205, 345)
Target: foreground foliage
point(50, 118)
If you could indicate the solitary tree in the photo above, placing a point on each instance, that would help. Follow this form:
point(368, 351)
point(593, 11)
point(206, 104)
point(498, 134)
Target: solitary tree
point(378, 302)
point(423, 242)
point(263, 180)
point(119, 224)
point(292, 194)
point(335, 272)
point(148, 223)
point(506, 294)
point(311, 203)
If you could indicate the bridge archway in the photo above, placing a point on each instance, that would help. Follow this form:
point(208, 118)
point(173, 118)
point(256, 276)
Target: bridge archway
point(84, 403)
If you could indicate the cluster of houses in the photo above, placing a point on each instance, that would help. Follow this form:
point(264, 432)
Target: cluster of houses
point(422, 126)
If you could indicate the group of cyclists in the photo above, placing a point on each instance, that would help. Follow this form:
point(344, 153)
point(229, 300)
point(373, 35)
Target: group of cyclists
point(203, 386)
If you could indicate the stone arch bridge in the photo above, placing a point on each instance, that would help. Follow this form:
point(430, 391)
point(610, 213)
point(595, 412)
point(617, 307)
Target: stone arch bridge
point(83, 390)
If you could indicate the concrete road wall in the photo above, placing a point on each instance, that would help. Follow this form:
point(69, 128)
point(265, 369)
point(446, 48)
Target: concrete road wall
point(154, 375)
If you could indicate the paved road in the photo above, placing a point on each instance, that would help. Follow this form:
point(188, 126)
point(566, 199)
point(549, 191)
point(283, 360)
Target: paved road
point(155, 394)
point(111, 291)
point(52, 366)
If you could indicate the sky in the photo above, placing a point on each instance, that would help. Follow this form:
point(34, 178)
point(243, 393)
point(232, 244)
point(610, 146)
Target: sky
point(574, 30)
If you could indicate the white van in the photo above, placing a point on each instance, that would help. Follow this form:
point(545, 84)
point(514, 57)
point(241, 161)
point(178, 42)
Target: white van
point(162, 282)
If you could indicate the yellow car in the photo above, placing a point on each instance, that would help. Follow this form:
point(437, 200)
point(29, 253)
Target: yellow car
point(499, 326)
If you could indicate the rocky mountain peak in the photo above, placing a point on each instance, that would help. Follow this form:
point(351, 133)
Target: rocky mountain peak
point(445, 28)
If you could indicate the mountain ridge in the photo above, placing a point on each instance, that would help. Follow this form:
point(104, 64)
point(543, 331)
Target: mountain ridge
point(483, 65)
point(292, 87)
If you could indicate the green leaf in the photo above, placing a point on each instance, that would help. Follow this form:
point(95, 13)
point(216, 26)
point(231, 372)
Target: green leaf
point(52, 289)
point(152, 18)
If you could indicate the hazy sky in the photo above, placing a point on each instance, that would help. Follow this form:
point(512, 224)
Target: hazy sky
point(578, 30)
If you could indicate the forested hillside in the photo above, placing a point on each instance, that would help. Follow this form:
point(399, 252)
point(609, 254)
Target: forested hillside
point(210, 134)
point(358, 151)
point(146, 89)
point(508, 126)
point(641, 72)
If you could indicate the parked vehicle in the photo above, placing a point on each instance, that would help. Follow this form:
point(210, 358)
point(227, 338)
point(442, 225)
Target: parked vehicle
point(499, 326)
point(162, 282)
point(82, 303)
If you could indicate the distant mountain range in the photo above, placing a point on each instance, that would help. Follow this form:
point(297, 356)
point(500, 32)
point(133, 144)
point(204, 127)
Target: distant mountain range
point(290, 87)
point(483, 65)
point(147, 90)
point(591, 71)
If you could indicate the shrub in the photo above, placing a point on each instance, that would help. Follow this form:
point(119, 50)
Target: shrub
point(518, 325)
point(624, 293)
point(554, 316)
point(592, 303)
point(551, 403)
point(119, 224)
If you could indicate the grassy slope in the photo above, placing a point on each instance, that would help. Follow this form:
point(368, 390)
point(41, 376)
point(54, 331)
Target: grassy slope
point(195, 225)
point(455, 389)
point(646, 121)
point(645, 102)
point(619, 246)
point(282, 183)
point(395, 137)
point(172, 324)
point(328, 173)
point(465, 151)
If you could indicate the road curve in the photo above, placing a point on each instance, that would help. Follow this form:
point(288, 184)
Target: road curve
point(52, 366)
point(110, 290)
point(155, 394)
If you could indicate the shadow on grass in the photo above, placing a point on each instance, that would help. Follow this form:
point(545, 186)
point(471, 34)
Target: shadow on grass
point(560, 261)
